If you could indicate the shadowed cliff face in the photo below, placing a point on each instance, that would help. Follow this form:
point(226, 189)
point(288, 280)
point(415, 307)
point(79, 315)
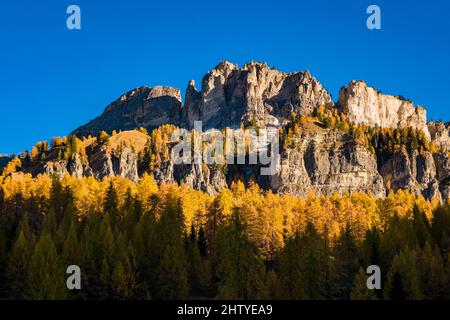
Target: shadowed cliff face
point(319, 160)
point(142, 107)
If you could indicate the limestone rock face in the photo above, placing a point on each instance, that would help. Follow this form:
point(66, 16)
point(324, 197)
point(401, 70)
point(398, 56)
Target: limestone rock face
point(142, 107)
point(325, 162)
point(364, 104)
point(230, 96)
point(58, 168)
point(73, 166)
point(440, 134)
point(415, 172)
point(442, 161)
point(198, 176)
point(100, 164)
point(104, 163)
point(125, 165)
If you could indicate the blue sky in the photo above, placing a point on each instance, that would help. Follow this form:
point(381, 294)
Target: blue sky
point(52, 80)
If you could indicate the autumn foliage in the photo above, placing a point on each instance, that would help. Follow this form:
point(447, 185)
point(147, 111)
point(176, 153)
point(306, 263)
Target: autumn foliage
point(144, 241)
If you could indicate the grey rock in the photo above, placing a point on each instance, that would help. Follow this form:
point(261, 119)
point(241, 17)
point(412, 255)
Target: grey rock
point(230, 96)
point(198, 176)
point(415, 172)
point(142, 107)
point(442, 161)
point(58, 168)
point(364, 104)
point(440, 134)
point(326, 162)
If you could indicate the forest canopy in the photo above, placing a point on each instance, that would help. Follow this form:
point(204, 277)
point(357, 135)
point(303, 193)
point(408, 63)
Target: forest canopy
point(144, 241)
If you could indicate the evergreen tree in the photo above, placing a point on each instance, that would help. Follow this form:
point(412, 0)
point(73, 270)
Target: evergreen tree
point(303, 266)
point(344, 265)
point(242, 271)
point(421, 226)
point(359, 290)
point(144, 243)
point(91, 257)
point(123, 277)
point(17, 266)
point(172, 281)
point(110, 206)
point(432, 273)
point(396, 290)
point(199, 271)
point(403, 280)
point(45, 277)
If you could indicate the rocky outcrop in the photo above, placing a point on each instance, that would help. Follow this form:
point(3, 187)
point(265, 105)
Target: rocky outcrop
point(125, 164)
point(73, 166)
point(442, 161)
point(198, 176)
point(105, 163)
point(142, 107)
point(415, 172)
point(100, 164)
point(256, 93)
point(440, 134)
point(327, 161)
point(363, 104)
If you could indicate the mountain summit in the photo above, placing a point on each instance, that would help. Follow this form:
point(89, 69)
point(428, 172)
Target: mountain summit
point(256, 93)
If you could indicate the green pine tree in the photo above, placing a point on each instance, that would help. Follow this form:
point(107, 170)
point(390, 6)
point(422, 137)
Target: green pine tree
point(403, 280)
point(172, 281)
point(45, 278)
point(17, 266)
point(242, 271)
point(303, 266)
point(359, 290)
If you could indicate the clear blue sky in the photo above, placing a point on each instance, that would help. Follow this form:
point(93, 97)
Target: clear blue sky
point(53, 80)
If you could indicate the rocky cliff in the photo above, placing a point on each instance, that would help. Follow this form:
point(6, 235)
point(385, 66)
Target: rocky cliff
point(411, 171)
point(363, 104)
point(141, 107)
point(326, 161)
point(255, 93)
point(100, 164)
point(440, 134)
point(228, 97)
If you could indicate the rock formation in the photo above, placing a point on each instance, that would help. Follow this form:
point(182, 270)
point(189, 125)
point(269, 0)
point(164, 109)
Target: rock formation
point(230, 96)
point(100, 164)
point(440, 134)
point(142, 107)
point(327, 161)
point(364, 104)
point(415, 172)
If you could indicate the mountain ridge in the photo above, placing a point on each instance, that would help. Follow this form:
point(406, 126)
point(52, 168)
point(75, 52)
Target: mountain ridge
point(230, 95)
point(367, 141)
